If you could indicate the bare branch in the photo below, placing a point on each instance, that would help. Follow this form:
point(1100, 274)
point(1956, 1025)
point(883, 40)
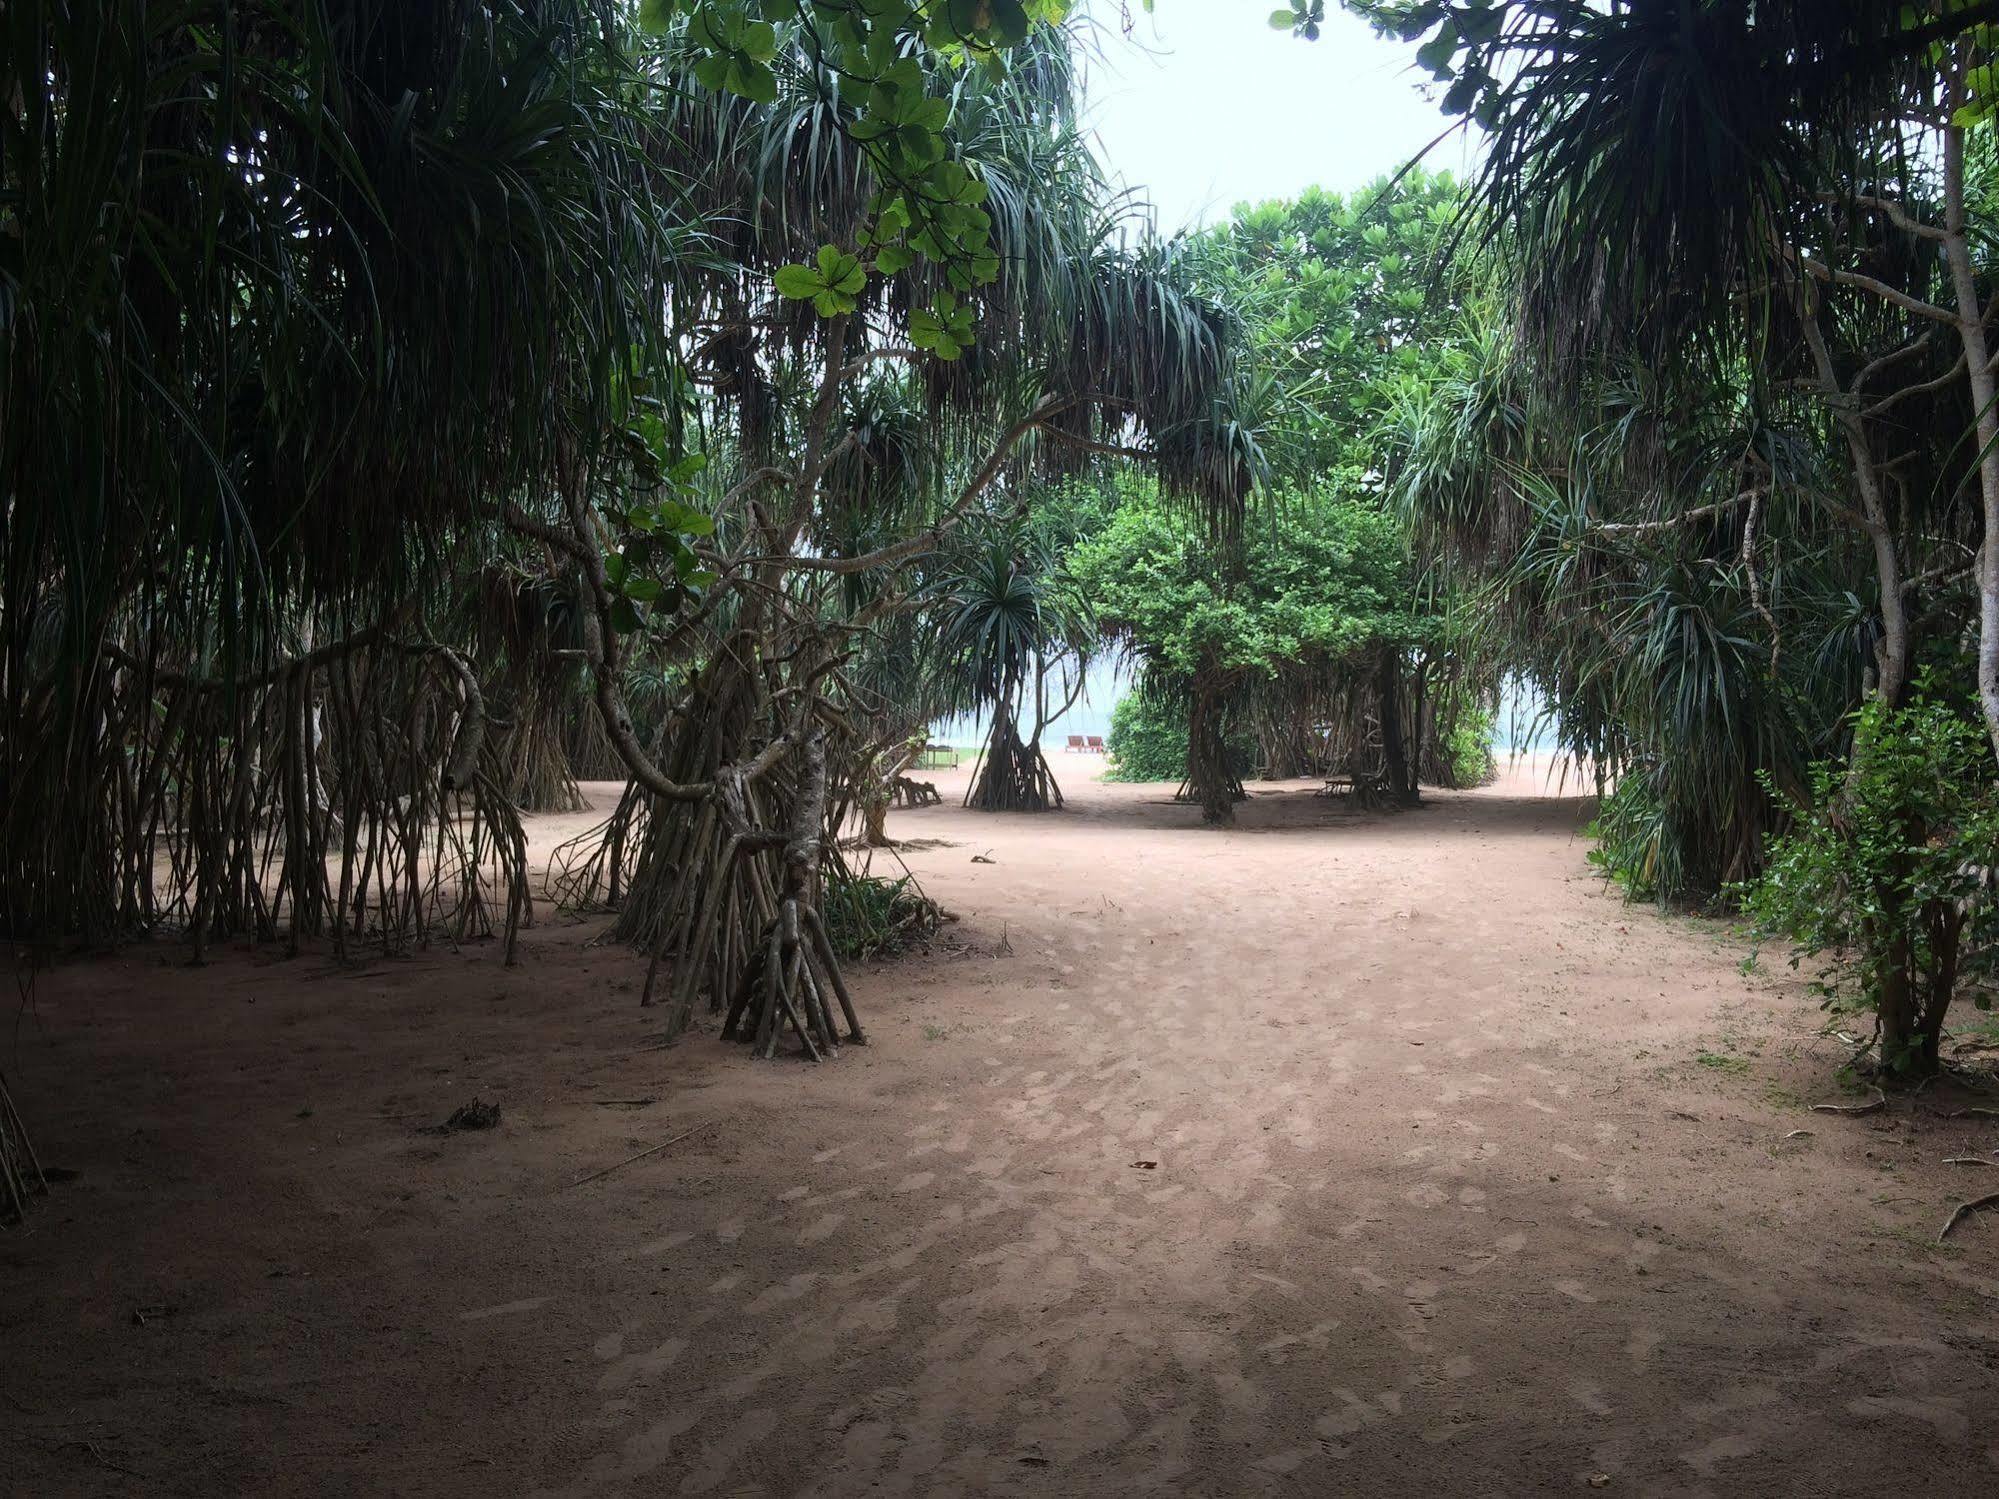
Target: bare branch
point(1897, 215)
point(1824, 272)
point(1699, 512)
point(931, 537)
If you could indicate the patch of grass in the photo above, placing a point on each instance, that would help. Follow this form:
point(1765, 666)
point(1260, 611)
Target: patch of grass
point(935, 1032)
point(1719, 1062)
point(868, 916)
point(1981, 1026)
point(1780, 1097)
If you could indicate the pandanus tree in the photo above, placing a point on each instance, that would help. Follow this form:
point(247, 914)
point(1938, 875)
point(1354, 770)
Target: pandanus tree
point(293, 296)
point(1761, 231)
point(1010, 626)
point(901, 327)
point(1793, 196)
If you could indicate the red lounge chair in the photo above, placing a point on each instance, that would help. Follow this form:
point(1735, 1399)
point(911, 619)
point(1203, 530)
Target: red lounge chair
point(1075, 746)
point(1097, 745)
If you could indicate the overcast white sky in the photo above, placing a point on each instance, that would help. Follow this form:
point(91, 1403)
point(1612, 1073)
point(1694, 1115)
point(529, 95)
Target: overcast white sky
point(1205, 106)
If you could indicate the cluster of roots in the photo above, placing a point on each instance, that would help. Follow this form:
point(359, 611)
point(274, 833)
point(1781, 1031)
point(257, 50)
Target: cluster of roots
point(350, 793)
point(788, 983)
point(1013, 775)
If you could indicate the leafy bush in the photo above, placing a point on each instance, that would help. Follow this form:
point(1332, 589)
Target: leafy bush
point(1148, 739)
point(868, 916)
point(1633, 842)
point(1884, 878)
point(1468, 747)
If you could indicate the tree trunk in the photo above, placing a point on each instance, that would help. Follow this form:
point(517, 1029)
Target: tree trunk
point(1978, 360)
point(1013, 775)
point(1891, 655)
point(1416, 720)
point(1896, 1010)
point(1394, 751)
point(1211, 780)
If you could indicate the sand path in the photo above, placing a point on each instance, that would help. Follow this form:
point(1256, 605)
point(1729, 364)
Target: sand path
point(1334, 1154)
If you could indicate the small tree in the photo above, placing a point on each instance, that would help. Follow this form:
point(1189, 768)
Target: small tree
point(1008, 616)
point(1319, 589)
point(1885, 879)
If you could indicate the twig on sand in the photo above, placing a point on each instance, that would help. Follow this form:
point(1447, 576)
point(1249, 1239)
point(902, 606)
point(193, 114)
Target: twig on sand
point(1965, 1210)
point(1976, 1111)
point(98, 1453)
point(1968, 1160)
point(1874, 1105)
point(649, 1150)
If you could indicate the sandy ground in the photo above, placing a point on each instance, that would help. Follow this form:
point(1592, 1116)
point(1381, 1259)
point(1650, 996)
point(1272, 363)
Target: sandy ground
point(1380, 1154)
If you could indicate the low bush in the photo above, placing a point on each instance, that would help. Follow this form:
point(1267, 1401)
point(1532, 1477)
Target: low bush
point(1884, 881)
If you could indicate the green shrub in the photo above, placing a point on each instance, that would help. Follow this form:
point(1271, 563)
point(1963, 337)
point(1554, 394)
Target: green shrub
point(868, 916)
point(1883, 878)
point(1148, 739)
point(1632, 843)
point(1468, 747)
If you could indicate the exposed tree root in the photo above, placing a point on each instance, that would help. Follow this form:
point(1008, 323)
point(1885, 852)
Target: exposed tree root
point(20, 1170)
point(1964, 1210)
point(1872, 1106)
point(349, 793)
point(796, 976)
point(1013, 774)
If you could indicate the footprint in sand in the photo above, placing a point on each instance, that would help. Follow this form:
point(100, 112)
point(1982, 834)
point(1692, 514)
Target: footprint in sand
point(1640, 1347)
point(1943, 1412)
point(633, 1368)
point(1590, 1397)
point(506, 1309)
point(1720, 1450)
point(822, 1228)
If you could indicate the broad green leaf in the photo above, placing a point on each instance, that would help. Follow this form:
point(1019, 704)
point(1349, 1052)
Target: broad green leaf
point(798, 282)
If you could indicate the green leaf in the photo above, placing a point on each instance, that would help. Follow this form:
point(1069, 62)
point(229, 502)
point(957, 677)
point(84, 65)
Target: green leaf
point(798, 282)
point(753, 81)
point(1437, 54)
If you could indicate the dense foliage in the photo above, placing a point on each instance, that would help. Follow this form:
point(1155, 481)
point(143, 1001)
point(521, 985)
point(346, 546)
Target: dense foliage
point(1321, 581)
point(1274, 653)
point(1721, 457)
point(1887, 877)
point(1148, 739)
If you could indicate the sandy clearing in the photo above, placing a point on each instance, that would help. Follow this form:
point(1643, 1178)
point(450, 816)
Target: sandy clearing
point(1333, 1154)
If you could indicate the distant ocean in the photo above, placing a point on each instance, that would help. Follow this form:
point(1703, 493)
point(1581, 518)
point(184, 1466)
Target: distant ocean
point(1106, 683)
point(1518, 730)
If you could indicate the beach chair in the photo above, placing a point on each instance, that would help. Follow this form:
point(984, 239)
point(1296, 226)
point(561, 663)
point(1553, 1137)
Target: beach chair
point(1075, 746)
point(1096, 745)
